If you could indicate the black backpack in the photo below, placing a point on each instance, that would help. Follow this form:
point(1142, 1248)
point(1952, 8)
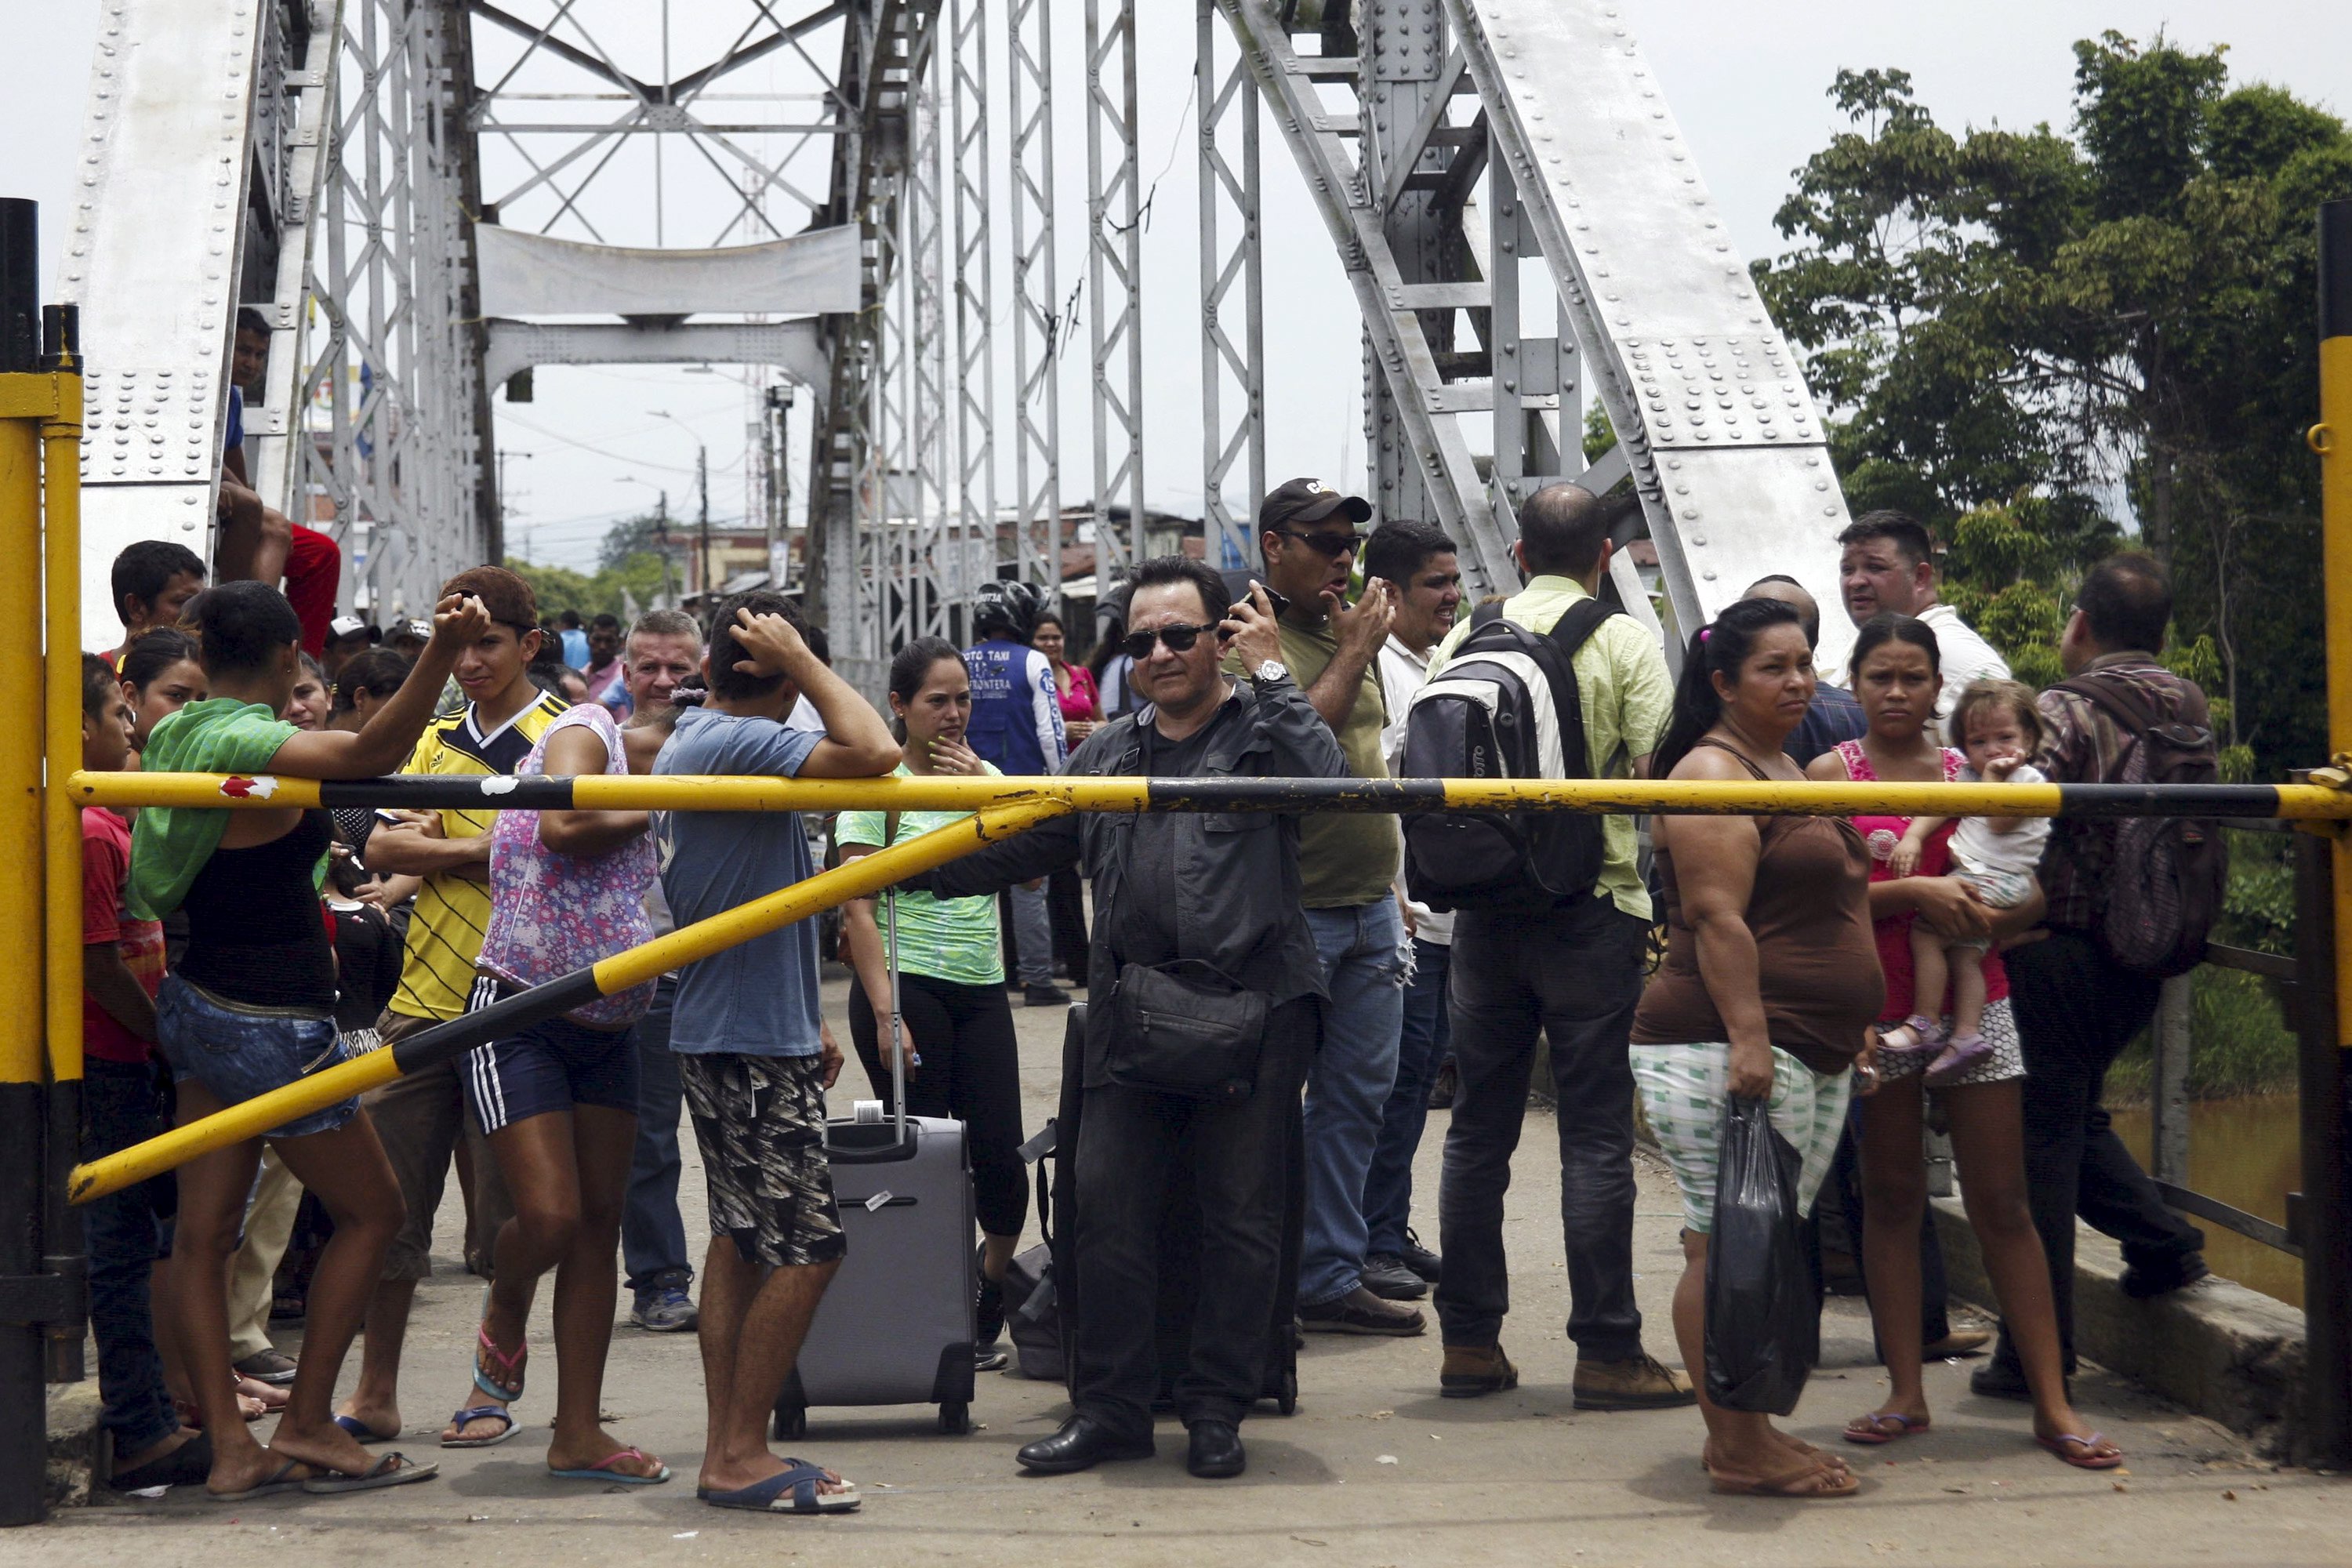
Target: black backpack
point(2156, 881)
point(1505, 706)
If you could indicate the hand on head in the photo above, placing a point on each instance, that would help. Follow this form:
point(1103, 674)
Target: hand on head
point(769, 642)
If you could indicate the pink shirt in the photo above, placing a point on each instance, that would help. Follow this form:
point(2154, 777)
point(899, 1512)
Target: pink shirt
point(552, 914)
point(1080, 701)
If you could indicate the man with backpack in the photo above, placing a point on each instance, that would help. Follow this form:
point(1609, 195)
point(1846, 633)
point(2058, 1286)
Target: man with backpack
point(2129, 901)
point(1550, 936)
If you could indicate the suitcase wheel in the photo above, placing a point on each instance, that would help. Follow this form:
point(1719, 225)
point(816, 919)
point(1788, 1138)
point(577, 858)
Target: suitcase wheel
point(791, 1424)
point(1285, 1395)
point(955, 1419)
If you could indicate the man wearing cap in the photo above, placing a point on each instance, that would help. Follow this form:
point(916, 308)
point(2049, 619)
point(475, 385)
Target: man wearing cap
point(347, 637)
point(1309, 534)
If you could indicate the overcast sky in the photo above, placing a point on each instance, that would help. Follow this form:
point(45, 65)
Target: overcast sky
point(1747, 83)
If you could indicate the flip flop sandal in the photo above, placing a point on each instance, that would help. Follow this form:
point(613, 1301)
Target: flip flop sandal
point(394, 1470)
point(2089, 1459)
point(788, 1491)
point(1878, 1432)
point(471, 1414)
point(1795, 1486)
point(601, 1470)
point(511, 1365)
point(362, 1431)
point(282, 1479)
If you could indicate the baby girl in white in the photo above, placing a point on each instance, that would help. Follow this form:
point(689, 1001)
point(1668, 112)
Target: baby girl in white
point(1996, 856)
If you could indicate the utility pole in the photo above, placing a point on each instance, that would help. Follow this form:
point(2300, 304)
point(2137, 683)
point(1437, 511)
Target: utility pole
point(779, 408)
point(702, 480)
point(506, 512)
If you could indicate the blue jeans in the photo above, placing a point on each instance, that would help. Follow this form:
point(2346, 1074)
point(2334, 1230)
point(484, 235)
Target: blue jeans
point(239, 1050)
point(1428, 1030)
point(1354, 1068)
point(653, 1237)
point(1032, 934)
point(123, 1235)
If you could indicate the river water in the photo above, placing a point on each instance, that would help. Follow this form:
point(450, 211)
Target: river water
point(2246, 1152)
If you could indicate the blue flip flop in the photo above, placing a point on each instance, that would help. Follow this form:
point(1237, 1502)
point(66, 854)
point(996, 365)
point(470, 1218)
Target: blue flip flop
point(601, 1470)
point(788, 1491)
point(362, 1431)
point(472, 1413)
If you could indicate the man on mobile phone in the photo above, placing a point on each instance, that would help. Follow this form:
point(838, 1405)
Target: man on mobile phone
point(1309, 534)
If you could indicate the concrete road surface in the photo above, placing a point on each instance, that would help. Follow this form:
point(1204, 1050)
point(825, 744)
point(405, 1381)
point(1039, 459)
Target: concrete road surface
point(1375, 1468)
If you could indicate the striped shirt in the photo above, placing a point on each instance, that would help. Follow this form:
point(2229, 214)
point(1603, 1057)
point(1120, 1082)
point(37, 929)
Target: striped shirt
point(444, 933)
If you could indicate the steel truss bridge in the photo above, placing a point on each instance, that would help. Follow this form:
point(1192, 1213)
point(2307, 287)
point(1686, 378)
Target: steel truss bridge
point(426, 197)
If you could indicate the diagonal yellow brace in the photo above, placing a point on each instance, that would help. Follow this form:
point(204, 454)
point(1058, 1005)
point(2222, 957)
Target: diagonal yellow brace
point(861, 877)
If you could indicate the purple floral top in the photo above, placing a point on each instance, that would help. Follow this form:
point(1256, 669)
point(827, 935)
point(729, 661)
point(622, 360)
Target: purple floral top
point(554, 915)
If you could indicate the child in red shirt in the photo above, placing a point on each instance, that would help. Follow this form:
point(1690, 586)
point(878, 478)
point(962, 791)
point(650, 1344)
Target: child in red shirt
point(122, 1104)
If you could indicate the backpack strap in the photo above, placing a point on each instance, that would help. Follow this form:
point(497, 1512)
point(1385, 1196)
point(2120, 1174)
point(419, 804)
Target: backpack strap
point(1485, 615)
point(2124, 702)
point(1569, 633)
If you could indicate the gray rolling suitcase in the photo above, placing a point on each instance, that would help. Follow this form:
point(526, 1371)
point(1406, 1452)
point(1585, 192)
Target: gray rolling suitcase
point(895, 1324)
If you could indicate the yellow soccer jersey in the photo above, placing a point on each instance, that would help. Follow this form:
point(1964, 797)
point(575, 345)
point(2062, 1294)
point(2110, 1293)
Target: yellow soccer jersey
point(445, 931)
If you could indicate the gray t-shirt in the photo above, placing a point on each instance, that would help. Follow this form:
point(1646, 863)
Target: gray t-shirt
point(758, 998)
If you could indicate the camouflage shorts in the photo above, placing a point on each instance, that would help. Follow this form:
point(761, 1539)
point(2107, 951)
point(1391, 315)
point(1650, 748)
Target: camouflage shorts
point(761, 1123)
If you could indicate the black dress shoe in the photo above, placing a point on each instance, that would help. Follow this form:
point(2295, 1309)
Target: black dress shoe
point(1998, 1379)
point(1081, 1445)
point(1386, 1276)
point(1216, 1451)
point(1419, 1258)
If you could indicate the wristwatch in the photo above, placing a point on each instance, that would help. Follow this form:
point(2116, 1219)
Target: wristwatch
point(1271, 670)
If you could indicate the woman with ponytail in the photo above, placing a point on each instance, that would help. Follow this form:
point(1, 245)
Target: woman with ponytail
point(1768, 989)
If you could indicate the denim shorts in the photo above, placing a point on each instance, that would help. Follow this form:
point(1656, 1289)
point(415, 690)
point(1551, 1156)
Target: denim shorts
point(237, 1050)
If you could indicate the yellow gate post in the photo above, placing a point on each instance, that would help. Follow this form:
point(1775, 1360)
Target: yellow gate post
point(41, 1273)
point(2325, 1229)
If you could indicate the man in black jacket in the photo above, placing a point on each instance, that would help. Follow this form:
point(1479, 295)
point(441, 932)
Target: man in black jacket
point(1221, 890)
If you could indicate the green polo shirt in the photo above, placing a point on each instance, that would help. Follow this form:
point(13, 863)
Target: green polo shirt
point(1621, 681)
point(1344, 858)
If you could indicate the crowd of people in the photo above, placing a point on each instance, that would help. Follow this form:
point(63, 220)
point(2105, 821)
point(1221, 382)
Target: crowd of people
point(1836, 970)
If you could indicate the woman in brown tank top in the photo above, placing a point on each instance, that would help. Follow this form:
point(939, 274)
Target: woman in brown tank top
point(1768, 990)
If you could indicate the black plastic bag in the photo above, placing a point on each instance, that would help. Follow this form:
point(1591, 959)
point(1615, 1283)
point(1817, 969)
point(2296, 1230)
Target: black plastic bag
point(1763, 1321)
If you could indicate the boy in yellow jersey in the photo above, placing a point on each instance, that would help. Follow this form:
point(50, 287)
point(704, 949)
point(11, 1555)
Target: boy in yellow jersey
point(421, 1117)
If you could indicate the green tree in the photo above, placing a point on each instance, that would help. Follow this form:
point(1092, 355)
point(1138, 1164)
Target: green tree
point(2021, 334)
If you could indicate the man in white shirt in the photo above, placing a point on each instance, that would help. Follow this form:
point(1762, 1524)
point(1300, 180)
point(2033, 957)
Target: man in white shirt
point(1420, 560)
point(1888, 564)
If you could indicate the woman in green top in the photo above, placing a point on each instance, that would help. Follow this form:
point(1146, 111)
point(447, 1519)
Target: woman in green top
point(956, 1025)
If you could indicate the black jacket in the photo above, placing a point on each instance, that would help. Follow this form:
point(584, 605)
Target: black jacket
point(1239, 904)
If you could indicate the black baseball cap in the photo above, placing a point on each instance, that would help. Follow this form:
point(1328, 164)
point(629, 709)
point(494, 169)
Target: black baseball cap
point(1309, 500)
point(343, 627)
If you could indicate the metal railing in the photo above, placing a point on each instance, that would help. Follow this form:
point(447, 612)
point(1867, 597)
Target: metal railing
point(2172, 1035)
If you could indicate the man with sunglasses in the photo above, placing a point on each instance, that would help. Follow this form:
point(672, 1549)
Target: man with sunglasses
point(1215, 888)
point(1309, 534)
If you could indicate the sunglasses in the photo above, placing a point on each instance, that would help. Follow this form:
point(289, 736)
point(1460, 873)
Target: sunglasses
point(1137, 645)
point(1329, 545)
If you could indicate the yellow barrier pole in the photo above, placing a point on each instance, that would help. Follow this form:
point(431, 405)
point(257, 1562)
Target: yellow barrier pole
point(61, 1231)
point(61, 551)
point(676, 791)
point(26, 400)
point(2330, 439)
point(866, 875)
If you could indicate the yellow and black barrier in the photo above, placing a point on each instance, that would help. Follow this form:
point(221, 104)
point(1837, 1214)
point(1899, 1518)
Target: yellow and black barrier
point(676, 791)
point(251, 1119)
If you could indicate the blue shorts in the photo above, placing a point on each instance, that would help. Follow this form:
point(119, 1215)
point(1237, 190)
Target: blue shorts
point(551, 1066)
point(238, 1051)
